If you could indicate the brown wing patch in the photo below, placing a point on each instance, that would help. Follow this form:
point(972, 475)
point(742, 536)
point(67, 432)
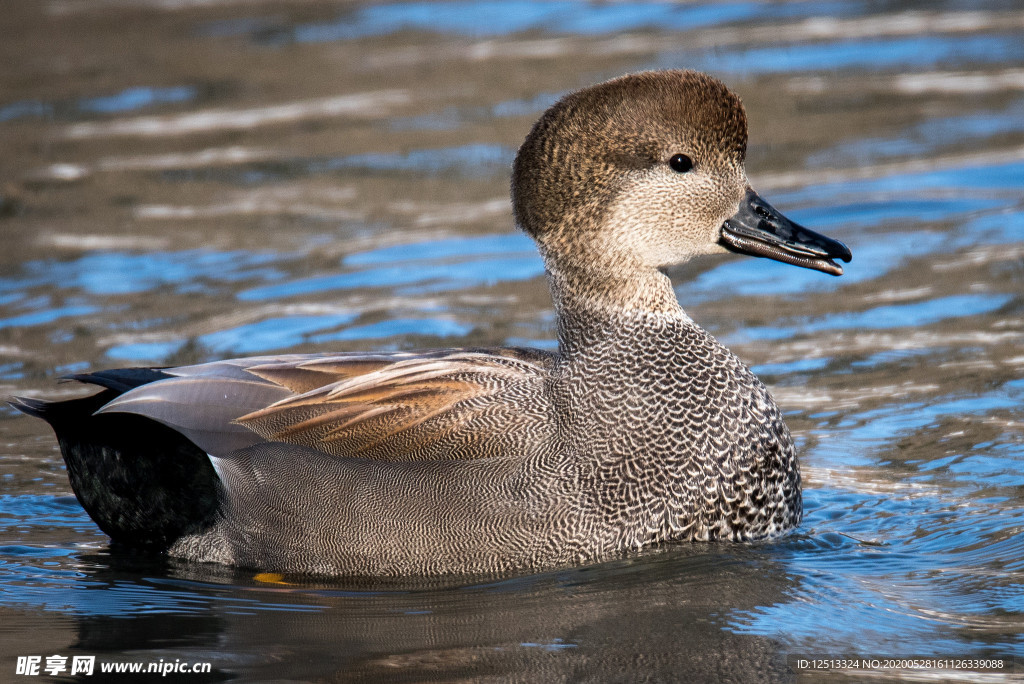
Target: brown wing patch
point(387, 405)
point(310, 374)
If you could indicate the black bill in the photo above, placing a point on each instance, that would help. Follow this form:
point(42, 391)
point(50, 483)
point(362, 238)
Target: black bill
point(760, 230)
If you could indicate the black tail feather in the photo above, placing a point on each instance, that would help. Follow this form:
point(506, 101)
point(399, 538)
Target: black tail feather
point(37, 408)
point(120, 380)
point(144, 484)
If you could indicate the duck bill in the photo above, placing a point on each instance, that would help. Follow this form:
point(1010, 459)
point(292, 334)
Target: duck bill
point(759, 229)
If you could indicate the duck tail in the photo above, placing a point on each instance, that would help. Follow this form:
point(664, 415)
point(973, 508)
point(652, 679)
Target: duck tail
point(143, 483)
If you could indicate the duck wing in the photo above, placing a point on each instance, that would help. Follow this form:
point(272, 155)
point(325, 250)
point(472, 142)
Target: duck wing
point(398, 406)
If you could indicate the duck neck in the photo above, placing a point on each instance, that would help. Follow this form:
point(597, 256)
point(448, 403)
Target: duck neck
point(618, 289)
point(597, 303)
point(600, 310)
point(657, 408)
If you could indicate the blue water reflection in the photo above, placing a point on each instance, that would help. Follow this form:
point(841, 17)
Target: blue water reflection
point(994, 229)
point(785, 368)
point(394, 328)
point(129, 99)
point(273, 333)
point(911, 51)
point(498, 18)
point(139, 353)
point(902, 210)
point(914, 315)
point(447, 248)
point(927, 137)
point(107, 273)
point(17, 512)
point(48, 315)
point(418, 278)
point(466, 159)
point(24, 109)
point(490, 19)
point(842, 579)
point(136, 98)
point(1004, 175)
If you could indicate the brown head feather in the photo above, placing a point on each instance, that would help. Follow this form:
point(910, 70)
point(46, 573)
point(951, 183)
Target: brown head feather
point(569, 164)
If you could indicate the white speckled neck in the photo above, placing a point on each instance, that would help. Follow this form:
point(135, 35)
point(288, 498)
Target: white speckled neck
point(631, 291)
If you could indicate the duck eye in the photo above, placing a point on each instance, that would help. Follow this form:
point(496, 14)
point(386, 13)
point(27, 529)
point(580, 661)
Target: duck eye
point(680, 163)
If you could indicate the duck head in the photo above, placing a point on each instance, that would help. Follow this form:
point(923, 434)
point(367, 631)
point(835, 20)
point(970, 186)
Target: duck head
point(645, 171)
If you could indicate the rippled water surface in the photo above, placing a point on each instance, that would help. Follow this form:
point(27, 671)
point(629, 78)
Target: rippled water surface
point(185, 180)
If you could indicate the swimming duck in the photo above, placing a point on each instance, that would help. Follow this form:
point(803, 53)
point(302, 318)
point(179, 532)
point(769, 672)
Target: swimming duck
point(641, 429)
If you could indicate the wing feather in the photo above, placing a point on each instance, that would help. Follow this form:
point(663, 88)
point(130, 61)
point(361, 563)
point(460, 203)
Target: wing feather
point(202, 408)
point(390, 406)
point(438, 404)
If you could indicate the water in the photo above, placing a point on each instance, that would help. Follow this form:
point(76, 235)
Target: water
point(184, 181)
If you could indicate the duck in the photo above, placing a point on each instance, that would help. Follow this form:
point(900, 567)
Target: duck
point(639, 430)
